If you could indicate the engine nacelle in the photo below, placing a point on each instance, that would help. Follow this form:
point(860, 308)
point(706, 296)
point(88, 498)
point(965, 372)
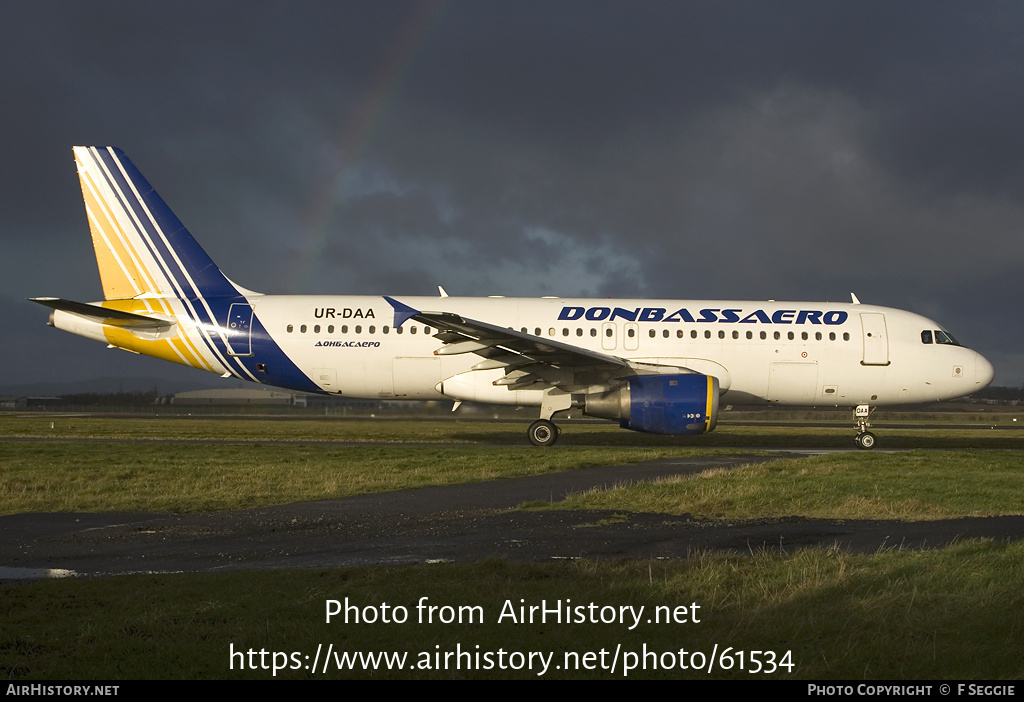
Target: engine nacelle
point(660, 404)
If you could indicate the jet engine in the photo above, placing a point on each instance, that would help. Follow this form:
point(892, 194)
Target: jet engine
point(660, 404)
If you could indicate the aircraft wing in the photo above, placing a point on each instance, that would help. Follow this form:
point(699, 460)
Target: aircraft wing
point(528, 360)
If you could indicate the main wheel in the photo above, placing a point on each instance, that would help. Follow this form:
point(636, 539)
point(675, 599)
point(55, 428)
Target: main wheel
point(866, 440)
point(543, 433)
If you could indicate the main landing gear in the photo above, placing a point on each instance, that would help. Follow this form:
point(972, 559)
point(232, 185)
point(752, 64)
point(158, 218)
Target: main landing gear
point(543, 433)
point(865, 439)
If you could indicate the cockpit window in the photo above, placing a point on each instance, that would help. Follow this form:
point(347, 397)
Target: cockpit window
point(926, 336)
point(942, 337)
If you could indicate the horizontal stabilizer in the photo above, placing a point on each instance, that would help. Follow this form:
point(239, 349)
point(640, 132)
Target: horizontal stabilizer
point(105, 315)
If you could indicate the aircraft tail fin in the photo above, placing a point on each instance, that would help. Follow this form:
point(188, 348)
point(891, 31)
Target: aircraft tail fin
point(163, 295)
point(142, 248)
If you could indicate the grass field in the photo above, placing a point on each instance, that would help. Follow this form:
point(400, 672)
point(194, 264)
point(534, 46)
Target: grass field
point(950, 614)
point(906, 485)
point(946, 613)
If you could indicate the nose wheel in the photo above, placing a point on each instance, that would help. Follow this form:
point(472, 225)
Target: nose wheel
point(865, 439)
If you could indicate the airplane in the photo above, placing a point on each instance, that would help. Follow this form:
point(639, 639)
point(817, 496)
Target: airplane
point(657, 366)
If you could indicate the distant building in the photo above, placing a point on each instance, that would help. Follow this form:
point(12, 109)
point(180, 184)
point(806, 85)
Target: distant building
point(235, 397)
point(40, 402)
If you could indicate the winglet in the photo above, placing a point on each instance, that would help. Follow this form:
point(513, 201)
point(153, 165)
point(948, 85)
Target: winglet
point(854, 297)
point(402, 311)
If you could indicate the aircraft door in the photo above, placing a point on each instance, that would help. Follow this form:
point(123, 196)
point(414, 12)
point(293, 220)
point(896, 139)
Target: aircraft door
point(608, 336)
point(632, 338)
point(876, 341)
point(238, 337)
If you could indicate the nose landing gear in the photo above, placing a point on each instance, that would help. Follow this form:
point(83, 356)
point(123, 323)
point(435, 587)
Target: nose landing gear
point(865, 439)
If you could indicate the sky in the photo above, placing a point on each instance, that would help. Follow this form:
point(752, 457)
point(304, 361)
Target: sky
point(689, 150)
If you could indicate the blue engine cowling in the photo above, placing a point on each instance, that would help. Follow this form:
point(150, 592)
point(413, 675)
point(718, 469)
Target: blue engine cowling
point(661, 404)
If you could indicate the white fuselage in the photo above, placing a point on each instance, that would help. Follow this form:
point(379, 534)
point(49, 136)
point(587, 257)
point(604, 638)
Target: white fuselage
point(776, 352)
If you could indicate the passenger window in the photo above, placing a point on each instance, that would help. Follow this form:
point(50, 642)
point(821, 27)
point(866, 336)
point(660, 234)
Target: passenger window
point(303, 329)
point(316, 329)
point(290, 328)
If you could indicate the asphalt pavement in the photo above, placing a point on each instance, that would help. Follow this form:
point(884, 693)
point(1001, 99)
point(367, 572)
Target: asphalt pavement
point(465, 522)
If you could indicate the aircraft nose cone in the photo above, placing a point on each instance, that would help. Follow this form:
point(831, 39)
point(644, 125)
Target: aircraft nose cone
point(983, 371)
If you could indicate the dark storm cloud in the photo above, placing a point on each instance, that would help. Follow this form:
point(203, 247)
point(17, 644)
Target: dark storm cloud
point(691, 149)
